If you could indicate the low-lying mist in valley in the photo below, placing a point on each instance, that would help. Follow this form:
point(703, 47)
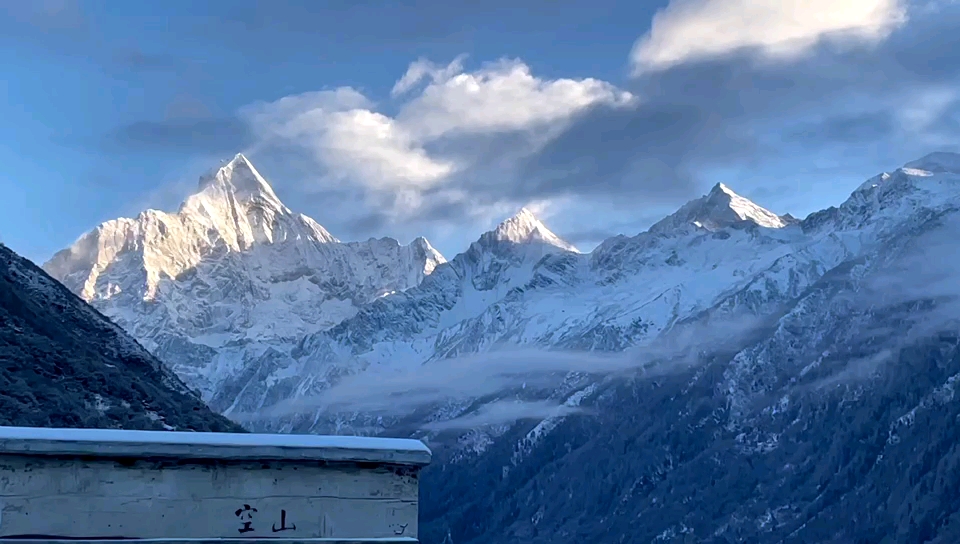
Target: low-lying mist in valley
point(512, 383)
point(507, 384)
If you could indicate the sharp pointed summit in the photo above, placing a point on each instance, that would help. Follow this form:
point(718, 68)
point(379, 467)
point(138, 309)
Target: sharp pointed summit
point(240, 179)
point(232, 275)
point(720, 208)
point(524, 227)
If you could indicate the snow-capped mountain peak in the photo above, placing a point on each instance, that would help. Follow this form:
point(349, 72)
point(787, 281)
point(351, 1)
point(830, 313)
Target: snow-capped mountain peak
point(938, 162)
point(720, 208)
point(424, 251)
point(240, 179)
point(933, 172)
point(524, 228)
point(231, 275)
point(288, 320)
point(239, 205)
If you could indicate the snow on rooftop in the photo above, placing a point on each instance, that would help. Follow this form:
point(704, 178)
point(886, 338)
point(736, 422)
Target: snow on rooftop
point(36, 439)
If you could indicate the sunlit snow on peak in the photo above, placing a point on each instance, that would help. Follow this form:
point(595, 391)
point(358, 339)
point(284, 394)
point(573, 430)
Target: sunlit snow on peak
point(720, 208)
point(524, 227)
point(939, 162)
point(240, 179)
point(233, 257)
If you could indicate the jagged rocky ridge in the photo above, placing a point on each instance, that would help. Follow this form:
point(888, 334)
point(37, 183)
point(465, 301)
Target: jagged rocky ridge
point(780, 431)
point(63, 364)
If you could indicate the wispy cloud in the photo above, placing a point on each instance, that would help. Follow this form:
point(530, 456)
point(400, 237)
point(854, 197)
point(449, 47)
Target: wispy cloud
point(924, 268)
point(505, 412)
point(424, 69)
point(401, 391)
point(910, 295)
point(440, 139)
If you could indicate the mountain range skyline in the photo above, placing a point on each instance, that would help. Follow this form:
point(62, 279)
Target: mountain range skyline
point(670, 271)
point(266, 188)
point(379, 133)
point(725, 368)
point(260, 308)
point(738, 369)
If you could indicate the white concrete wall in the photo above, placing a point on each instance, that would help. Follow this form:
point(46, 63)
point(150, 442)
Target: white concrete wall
point(102, 498)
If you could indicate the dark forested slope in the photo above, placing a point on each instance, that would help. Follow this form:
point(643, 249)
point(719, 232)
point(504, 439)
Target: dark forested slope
point(63, 364)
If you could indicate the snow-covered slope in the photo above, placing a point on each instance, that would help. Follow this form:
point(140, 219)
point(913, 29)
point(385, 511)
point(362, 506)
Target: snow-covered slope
point(718, 209)
point(519, 285)
point(273, 312)
point(233, 276)
point(400, 330)
point(834, 420)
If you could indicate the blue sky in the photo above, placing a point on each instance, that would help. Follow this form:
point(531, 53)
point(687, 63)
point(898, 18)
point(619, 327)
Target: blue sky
point(600, 115)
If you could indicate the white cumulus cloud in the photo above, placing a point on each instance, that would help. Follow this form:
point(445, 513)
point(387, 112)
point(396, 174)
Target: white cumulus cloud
point(502, 97)
point(346, 136)
point(369, 146)
point(698, 29)
point(422, 146)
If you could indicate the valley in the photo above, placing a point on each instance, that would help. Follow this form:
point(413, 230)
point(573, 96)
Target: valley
point(778, 366)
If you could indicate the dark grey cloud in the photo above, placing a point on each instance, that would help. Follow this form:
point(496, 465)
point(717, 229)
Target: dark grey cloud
point(648, 155)
point(638, 153)
point(56, 26)
point(63, 28)
point(730, 114)
point(845, 128)
point(358, 214)
point(586, 238)
point(344, 20)
point(593, 159)
point(194, 136)
point(738, 112)
point(770, 192)
point(368, 224)
point(592, 237)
